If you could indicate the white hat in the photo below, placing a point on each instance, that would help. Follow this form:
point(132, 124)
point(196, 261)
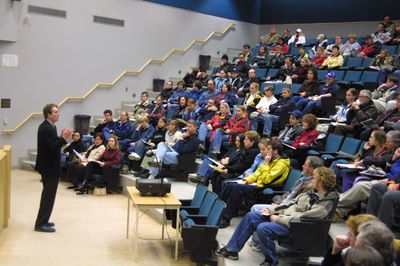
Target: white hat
point(298, 30)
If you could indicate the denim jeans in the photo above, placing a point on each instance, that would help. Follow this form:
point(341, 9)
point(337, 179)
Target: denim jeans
point(171, 108)
point(203, 133)
point(216, 143)
point(267, 231)
point(164, 156)
point(311, 106)
point(267, 119)
point(140, 148)
point(205, 170)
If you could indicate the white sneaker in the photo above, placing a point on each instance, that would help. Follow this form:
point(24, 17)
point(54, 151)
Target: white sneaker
point(133, 156)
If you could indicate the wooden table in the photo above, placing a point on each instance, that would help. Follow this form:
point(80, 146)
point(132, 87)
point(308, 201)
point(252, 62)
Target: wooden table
point(168, 202)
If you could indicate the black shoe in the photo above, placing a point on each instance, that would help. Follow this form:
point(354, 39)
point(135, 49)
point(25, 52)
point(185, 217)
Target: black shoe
point(50, 224)
point(224, 223)
point(145, 175)
point(227, 254)
point(45, 229)
point(71, 187)
point(197, 179)
point(83, 191)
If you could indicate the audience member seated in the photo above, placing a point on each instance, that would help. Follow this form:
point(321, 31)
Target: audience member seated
point(309, 88)
point(107, 121)
point(190, 112)
point(281, 47)
point(196, 91)
point(242, 66)
point(368, 49)
point(180, 109)
point(207, 129)
point(274, 222)
point(360, 111)
point(385, 95)
point(76, 169)
point(334, 61)
point(286, 36)
point(252, 98)
point(396, 35)
point(351, 47)
point(263, 105)
point(234, 166)
point(301, 53)
point(156, 111)
point(300, 72)
point(375, 152)
point(239, 123)
point(252, 78)
point(246, 50)
point(167, 92)
point(122, 129)
point(203, 77)
point(191, 77)
point(276, 58)
point(270, 39)
point(173, 134)
point(349, 200)
point(285, 72)
point(342, 115)
point(335, 255)
point(143, 132)
point(319, 57)
point(386, 121)
point(237, 81)
point(110, 157)
point(173, 101)
point(226, 96)
point(313, 104)
point(388, 24)
point(143, 146)
point(381, 36)
point(168, 155)
point(221, 80)
point(273, 171)
point(285, 104)
point(338, 42)
point(297, 39)
point(210, 93)
point(68, 153)
point(208, 111)
point(393, 69)
point(291, 130)
point(140, 108)
point(261, 60)
point(381, 60)
point(321, 42)
point(224, 65)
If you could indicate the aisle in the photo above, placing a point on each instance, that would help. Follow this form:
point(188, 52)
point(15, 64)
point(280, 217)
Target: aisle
point(90, 230)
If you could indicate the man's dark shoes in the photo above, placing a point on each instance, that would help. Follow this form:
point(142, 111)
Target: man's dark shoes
point(197, 179)
point(45, 229)
point(50, 224)
point(71, 187)
point(224, 223)
point(227, 254)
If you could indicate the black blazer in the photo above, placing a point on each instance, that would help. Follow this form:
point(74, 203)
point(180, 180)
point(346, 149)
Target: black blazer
point(48, 150)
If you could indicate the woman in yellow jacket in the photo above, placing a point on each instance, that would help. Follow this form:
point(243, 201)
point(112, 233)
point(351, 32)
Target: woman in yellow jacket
point(273, 171)
point(334, 61)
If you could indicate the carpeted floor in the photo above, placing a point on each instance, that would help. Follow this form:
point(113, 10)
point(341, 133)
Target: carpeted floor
point(90, 230)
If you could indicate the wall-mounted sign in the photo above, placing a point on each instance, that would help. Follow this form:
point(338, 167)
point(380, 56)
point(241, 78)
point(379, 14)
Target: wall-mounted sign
point(9, 60)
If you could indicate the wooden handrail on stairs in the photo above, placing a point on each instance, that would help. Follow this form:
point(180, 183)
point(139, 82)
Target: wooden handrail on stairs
point(126, 72)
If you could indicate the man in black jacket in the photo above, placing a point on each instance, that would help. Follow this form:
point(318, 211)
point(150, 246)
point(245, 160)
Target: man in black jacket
point(48, 164)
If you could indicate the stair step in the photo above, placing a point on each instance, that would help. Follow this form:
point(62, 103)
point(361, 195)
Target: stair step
point(28, 165)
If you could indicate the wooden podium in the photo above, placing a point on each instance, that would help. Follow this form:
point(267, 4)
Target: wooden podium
point(5, 186)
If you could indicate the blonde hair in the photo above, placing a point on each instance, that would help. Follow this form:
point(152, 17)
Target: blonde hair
point(326, 176)
point(116, 146)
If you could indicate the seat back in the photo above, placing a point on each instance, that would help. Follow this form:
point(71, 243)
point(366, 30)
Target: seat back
point(354, 62)
point(266, 84)
point(293, 176)
point(208, 203)
point(339, 74)
point(321, 74)
point(328, 105)
point(216, 213)
point(350, 145)
point(261, 72)
point(295, 87)
point(369, 76)
point(391, 48)
point(199, 195)
point(366, 62)
point(333, 143)
point(272, 72)
point(293, 50)
point(352, 76)
point(279, 87)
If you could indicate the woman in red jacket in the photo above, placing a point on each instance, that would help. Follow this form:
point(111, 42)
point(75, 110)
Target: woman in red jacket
point(309, 133)
point(239, 123)
point(111, 157)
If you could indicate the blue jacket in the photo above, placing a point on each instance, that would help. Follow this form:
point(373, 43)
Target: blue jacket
point(123, 130)
point(205, 97)
point(192, 114)
point(195, 94)
point(331, 88)
point(219, 82)
point(282, 105)
point(143, 133)
point(176, 94)
point(187, 145)
point(394, 173)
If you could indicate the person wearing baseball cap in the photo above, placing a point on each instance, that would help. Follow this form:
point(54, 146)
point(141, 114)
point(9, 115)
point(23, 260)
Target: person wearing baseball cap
point(297, 39)
point(293, 129)
point(329, 89)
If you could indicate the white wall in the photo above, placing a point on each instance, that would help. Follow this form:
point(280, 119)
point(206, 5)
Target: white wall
point(312, 30)
point(65, 57)
point(10, 14)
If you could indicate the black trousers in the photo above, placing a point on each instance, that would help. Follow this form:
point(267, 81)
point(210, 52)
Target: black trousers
point(50, 184)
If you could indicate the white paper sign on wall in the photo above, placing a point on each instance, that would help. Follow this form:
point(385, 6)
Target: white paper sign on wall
point(9, 60)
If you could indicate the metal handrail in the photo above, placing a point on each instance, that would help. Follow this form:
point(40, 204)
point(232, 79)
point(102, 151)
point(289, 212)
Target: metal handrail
point(126, 72)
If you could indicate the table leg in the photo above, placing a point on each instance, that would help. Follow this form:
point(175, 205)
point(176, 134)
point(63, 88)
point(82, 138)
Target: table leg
point(163, 224)
point(137, 231)
point(177, 225)
point(127, 217)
